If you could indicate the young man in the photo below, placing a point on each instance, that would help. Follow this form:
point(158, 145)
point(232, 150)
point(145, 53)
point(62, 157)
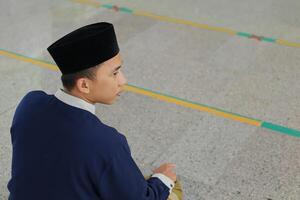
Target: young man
point(61, 150)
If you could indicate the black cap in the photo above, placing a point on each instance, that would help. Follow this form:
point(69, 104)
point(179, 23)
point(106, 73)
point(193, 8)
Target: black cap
point(85, 47)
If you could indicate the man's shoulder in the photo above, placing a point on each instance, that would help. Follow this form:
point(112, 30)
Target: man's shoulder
point(31, 100)
point(105, 138)
point(34, 96)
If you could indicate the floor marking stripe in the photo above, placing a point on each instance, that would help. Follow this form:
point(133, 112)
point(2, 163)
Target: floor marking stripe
point(281, 129)
point(89, 2)
point(170, 99)
point(185, 22)
point(287, 43)
point(190, 23)
point(28, 59)
point(195, 106)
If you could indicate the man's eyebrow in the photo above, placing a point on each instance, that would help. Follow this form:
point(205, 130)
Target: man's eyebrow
point(117, 68)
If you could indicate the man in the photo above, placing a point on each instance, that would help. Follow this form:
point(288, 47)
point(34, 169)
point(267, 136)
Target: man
point(61, 150)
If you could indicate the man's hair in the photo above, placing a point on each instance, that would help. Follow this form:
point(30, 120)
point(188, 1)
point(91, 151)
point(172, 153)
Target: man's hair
point(69, 80)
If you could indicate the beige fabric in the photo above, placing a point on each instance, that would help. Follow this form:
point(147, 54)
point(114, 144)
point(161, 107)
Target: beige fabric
point(173, 196)
point(177, 193)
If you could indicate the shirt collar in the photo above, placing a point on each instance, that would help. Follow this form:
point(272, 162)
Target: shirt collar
point(74, 101)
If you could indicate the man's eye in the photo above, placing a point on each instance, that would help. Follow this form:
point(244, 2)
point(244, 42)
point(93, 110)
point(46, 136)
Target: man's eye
point(115, 73)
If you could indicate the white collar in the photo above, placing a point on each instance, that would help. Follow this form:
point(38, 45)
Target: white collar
point(74, 101)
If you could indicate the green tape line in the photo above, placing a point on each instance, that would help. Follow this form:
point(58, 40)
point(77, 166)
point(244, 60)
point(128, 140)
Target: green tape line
point(121, 9)
point(127, 10)
point(109, 6)
point(248, 35)
point(281, 129)
point(269, 39)
point(244, 34)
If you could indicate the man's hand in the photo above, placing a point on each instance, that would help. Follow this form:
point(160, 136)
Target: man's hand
point(167, 169)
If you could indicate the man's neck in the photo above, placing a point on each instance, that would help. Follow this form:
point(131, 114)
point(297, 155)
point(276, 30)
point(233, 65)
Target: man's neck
point(78, 95)
point(74, 100)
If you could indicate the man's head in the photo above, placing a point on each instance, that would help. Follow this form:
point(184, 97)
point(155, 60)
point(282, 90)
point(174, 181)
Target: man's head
point(100, 84)
point(90, 62)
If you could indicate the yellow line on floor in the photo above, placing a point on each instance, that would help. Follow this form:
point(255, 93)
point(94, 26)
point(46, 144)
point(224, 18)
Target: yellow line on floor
point(287, 43)
point(185, 22)
point(193, 105)
point(88, 2)
point(145, 92)
point(30, 60)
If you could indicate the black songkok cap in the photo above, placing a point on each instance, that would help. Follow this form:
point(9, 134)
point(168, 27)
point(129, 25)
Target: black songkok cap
point(85, 47)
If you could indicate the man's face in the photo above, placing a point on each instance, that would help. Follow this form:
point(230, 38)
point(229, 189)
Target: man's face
point(108, 82)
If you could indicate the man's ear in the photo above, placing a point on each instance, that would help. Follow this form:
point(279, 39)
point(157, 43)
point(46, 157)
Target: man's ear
point(83, 85)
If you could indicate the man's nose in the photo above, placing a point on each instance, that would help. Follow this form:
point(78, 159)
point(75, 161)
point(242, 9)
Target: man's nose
point(122, 80)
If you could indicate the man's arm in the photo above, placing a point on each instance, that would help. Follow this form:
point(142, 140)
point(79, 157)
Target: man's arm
point(123, 180)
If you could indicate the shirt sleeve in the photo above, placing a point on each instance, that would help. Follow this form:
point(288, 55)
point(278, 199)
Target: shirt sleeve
point(123, 180)
point(166, 180)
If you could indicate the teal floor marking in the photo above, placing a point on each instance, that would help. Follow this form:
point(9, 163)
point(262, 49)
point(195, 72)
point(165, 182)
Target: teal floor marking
point(109, 6)
point(124, 9)
point(248, 35)
point(269, 39)
point(281, 129)
point(244, 34)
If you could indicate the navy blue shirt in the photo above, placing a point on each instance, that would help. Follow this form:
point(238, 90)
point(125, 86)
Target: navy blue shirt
point(61, 152)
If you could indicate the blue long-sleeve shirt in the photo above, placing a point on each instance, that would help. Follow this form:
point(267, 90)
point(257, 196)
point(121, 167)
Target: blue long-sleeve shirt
point(61, 152)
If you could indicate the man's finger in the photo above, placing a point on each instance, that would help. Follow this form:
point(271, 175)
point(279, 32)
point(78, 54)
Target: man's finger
point(171, 167)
